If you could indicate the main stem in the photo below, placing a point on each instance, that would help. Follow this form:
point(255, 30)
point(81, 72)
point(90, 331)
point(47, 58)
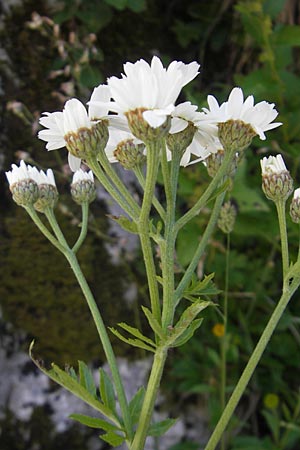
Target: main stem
point(287, 293)
point(153, 150)
point(149, 400)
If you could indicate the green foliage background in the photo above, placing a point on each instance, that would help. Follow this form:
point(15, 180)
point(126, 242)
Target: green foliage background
point(250, 43)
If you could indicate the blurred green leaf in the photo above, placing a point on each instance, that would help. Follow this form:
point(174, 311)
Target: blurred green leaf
point(159, 428)
point(135, 405)
point(93, 422)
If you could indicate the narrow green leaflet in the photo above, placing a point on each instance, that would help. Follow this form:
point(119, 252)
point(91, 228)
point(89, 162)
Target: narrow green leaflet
point(136, 404)
point(67, 381)
point(133, 342)
point(199, 288)
point(112, 439)
point(159, 428)
point(154, 324)
point(188, 333)
point(125, 223)
point(94, 422)
point(185, 321)
point(86, 378)
point(107, 392)
point(135, 332)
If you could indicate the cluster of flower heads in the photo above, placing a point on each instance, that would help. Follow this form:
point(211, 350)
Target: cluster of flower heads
point(124, 114)
point(148, 93)
point(33, 187)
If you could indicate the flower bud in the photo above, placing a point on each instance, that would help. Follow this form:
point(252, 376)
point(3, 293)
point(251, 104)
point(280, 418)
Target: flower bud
point(227, 217)
point(295, 207)
point(48, 194)
point(140, 128)
point(87, 142)
point(83, 187)
point(277, 182)
point(214, 161)
point(180, 141)
point(22, 185)
point(235, 134)
point(129, 154)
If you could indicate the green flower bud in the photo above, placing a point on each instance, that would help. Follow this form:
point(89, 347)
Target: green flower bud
point(277, 182)
point(140, 128)
point(87, 142)
point(83, 187)
point(129, 154)
point(295, 207)
point(235, 134)
point(23, 186)
point(227, 217)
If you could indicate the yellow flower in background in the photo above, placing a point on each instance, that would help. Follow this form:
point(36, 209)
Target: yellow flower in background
point(218, 330)
point(271, 401)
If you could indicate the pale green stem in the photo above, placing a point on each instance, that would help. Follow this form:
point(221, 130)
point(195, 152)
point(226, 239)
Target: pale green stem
point(287, 293)
point(185, 280)
point(153, 150)
point(149, 400)
point(157, 205)
point(71, 257)
point(110, 188)
point(118, 183)
point(84, 227)
point(280, 205)
point(224, 339)
point(229, 155)
point(36, 219)
point(168, 245)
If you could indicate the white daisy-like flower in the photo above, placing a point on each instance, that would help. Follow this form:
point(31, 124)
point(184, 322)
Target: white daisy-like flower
point(73, 117)
point(150, 87)
point(296, 195)
point(272, 165)
point(83, 187)
point(23, 172)
point(81, 175)
point(115, 138)
point(205, 135)
point(277, 182)
point(259, 116)
point(41, 177)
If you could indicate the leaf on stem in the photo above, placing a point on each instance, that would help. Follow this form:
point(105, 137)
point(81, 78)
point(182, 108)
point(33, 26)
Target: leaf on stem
point(135, 342)
point(125, 223)
point(70, 381)
point(202, 288)
point(94, 422)
point(159, 428)
point(135, 405)
point(86, 378)
point(187, 324)
point(107, 392)
point(113, 439)
point(154, 324)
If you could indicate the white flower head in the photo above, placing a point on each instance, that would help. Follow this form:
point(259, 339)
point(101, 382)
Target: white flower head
point(259, 116)
point(150, 87)
point(204, 137)
point(296, 195)
point(277, 182)
point(116, 137)
point(72, 119)
point(41, 177)
point(18, 173)
point(272, 165)
point(83, 187)
point(81, 175)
